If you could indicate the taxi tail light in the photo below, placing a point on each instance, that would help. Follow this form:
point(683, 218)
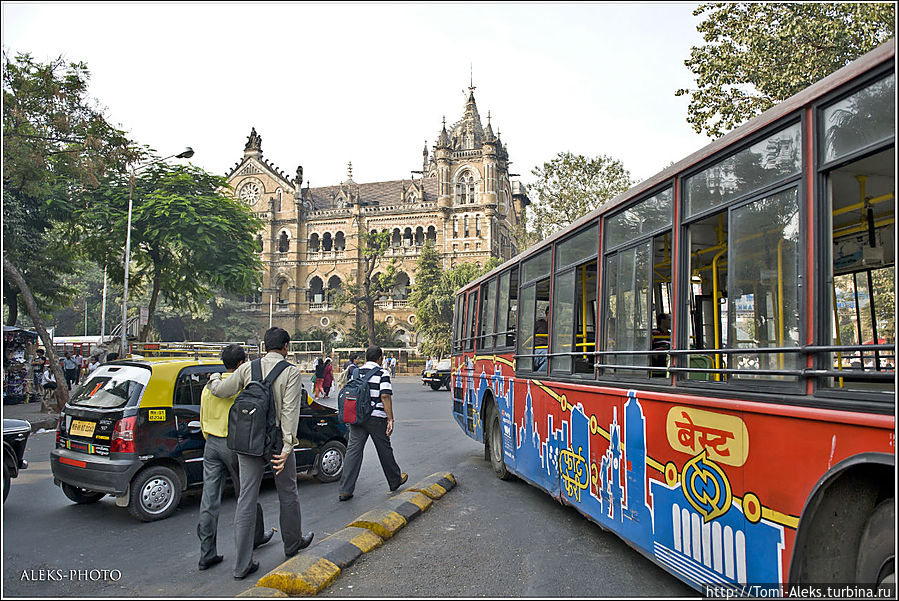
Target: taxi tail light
point(123, 435)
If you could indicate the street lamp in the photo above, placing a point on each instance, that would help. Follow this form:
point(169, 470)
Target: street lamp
point(185, 154)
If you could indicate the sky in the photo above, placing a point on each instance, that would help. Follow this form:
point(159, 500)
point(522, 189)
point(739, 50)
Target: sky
point(328, 83)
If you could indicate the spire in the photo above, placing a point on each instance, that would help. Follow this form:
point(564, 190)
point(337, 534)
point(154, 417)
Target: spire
point(349, 173)
point(488, 132)
point(443, 141)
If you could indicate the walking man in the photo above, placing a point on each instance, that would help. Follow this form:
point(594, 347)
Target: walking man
point(71, 370)
point(286, 393)
point(218, 462)
point(379, 426)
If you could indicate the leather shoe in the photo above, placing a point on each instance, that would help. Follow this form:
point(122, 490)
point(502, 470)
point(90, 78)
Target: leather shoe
point(345, 497)
point(265, 538)
point(253, 567)
point(304, 542)
point(403, 479)
point(205, 565)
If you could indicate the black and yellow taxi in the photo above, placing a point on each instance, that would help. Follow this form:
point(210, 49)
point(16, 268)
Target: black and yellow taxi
point(132, 430)
point(438, 376)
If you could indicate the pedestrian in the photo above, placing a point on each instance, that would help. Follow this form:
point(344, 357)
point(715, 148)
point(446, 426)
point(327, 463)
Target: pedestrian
point(379, 426)
point(70, 369)
point(319, 378)
point(327, 378)
point(392, 366)
point(48, 382)
point(38, 362)
point(350, 370)
point(286, 392)
point(92, 365)
point(79, 363)
point(218, 462)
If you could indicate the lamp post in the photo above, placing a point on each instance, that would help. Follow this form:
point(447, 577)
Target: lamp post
point(185, 154)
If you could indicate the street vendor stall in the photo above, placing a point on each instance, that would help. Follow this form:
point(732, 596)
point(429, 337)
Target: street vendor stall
point(18, 346)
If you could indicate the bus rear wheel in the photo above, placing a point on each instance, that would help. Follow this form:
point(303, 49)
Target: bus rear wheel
point(494, 442)
point(878, 546)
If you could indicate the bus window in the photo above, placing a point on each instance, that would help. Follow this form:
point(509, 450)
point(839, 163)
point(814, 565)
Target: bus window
point(471, 320)
point(457, 323)
point(506, 309)
point(863, 292)
point(488, 313)
point(574, 295)
point(637, 280)
point(533, 339)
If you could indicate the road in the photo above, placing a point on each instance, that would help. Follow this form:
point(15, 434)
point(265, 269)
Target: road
point(485, 538)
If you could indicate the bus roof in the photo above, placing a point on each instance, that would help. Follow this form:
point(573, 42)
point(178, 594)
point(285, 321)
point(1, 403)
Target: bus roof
point(882, 54)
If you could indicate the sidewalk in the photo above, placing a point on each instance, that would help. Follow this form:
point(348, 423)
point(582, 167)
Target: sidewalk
point(32, 413)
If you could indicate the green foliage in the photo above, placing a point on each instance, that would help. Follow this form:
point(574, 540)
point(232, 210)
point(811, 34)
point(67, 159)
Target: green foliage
point(434, 297)
point(189, 238)
point(570, 186)
point(316, 334)
point(370, 285)
point(758, 54)
point(384, 336)
point(56, 145)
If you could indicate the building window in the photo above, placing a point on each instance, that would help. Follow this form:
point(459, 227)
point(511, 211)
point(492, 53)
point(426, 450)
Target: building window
point(465, 225)
point(465, 188)
point(283, 243)
point(477, 226)
point(339, 242)
point(455, 227)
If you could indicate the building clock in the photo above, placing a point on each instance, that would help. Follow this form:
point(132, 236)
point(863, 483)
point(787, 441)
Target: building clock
point(250, 192)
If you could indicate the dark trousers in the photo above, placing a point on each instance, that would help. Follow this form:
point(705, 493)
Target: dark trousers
point(218, 462)
point(71, 377)
point(376, 427)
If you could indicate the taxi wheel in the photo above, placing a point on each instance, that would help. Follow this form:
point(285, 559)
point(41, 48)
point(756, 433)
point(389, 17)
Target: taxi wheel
point(436, 385)
point(329, 462)
point(155, 494)
point(82, 496)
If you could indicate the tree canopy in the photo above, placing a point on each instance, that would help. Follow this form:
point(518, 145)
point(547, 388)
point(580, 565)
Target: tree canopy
point(189, 240)
point(570, 186)
point(758, 54)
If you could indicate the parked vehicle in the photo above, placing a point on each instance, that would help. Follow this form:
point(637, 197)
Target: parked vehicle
point(438, 376)
point(132, 430)
point(15, 437)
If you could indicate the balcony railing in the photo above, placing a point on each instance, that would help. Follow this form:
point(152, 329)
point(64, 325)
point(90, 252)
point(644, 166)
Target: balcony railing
point(391, 303)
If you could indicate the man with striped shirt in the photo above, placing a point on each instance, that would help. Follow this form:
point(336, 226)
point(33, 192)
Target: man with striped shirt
point(379, 426)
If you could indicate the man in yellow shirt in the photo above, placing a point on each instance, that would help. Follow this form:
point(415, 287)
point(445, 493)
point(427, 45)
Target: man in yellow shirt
point(218, 462)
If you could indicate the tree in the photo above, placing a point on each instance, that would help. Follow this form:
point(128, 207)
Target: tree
point(370, 284)
point(189, 238)
point(570, 186)
point(758, 54)
point(56, 145)
point(434, 297)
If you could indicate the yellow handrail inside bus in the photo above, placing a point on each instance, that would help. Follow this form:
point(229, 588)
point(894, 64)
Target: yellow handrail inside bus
point(780, 300)
point(716, 311)
point(861, 205)
point(836, 320)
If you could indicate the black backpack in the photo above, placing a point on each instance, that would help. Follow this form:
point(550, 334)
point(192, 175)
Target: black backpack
point(354, 404)
point(253, 427)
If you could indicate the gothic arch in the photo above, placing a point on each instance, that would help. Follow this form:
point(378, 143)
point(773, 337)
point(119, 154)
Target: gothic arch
point(313, 243)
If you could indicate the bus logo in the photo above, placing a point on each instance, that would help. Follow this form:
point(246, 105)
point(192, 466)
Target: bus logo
point(706, 487)
point(574, 472)
point(724, 437)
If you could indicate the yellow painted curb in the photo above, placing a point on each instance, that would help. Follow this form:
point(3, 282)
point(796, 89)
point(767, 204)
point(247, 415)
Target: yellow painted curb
point(383, 522)
point(434, 491)
point(301, 575)
point(416, 498)
point(363, 538)
point(263, 591)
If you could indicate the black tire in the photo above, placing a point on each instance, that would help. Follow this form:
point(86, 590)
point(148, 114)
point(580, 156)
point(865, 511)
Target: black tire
point(7, 479)
point(82, 496)
point(155, 494)
point(877, 547)
point(435, 385)
point(329, 461)
point(493, 439)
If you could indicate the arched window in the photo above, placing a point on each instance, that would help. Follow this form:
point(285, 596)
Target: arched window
point(339, 242)
point(282, 291)
point(455, 227)
point(477, 226)
point(465, 188)
point(465, 226)
point(401, 286)
point(327, 243)
point(277, 202)
point(313, 243)
point(333, 288)
point(397, 239)
point(419, 236)
point(432, 233)
point(259, 243)
point(316, 293)
point(283, 243)
point(407, 237)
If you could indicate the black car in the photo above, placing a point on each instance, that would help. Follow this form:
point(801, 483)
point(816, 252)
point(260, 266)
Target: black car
point(15, 437)
point(132, 430)
point(438, 375)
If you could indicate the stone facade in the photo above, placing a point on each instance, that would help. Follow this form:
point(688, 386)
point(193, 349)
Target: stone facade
point(464, 200)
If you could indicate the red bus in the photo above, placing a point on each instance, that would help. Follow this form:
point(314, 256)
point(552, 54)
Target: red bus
point(705, 364)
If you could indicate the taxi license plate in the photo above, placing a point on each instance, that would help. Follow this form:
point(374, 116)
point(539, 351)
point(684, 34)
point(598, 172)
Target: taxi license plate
point(82, 428)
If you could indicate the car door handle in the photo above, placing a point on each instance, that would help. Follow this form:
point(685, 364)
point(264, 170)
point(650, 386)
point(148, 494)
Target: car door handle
point(194, 427)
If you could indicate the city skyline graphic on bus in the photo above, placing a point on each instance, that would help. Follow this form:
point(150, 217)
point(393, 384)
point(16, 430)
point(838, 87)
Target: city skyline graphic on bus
point(708, 545)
